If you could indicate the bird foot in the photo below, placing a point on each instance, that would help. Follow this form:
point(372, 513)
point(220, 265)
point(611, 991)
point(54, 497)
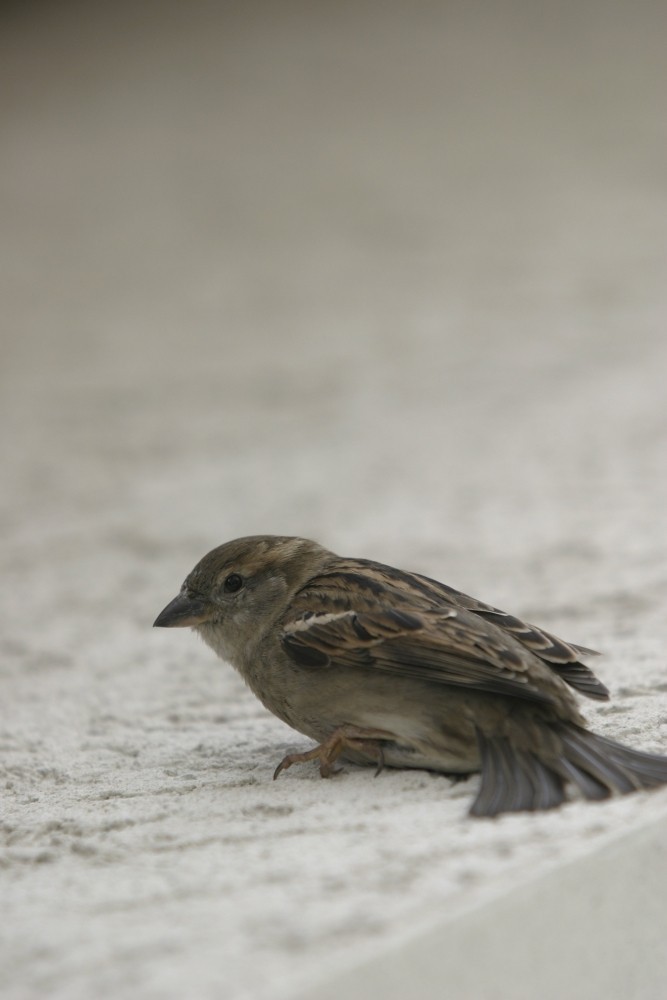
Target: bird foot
point(344, 738)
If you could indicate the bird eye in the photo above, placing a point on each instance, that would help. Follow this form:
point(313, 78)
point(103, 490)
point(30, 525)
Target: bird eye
point(233, 583)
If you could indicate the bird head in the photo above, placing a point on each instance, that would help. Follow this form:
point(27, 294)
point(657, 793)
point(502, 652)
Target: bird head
point(242, 584)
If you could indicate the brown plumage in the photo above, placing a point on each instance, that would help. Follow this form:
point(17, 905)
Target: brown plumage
point(387, 667)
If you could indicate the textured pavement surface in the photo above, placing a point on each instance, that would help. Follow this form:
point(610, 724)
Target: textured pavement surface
point(388, 276)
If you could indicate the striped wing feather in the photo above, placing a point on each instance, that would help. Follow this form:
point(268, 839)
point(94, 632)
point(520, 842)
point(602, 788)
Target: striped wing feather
point(454, 638)
point(451, 647)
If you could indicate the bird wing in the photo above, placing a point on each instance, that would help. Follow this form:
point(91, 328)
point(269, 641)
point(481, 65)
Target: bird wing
point(563, 657)
point(371, 582)
point(449, 646)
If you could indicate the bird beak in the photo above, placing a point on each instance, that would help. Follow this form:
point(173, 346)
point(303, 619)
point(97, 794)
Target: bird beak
point(183, 611)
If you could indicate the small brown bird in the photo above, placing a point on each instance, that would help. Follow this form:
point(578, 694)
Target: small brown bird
point(382, 667)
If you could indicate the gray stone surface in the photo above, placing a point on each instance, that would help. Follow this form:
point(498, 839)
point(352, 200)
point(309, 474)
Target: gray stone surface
point(390, 276)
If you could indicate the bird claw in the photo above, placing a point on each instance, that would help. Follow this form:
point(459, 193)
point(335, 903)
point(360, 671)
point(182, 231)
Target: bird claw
point(345, 737)
point(380, 765)
point(319, 752)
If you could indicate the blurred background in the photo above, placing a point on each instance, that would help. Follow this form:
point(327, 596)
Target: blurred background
point(389, 275)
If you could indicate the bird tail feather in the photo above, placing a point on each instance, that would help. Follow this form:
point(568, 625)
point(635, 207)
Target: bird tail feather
point(515, 780)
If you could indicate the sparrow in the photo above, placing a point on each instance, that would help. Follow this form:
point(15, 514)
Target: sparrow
point(385, 667)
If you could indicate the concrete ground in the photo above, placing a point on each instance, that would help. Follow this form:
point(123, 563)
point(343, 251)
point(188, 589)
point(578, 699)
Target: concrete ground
point(387, 275)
